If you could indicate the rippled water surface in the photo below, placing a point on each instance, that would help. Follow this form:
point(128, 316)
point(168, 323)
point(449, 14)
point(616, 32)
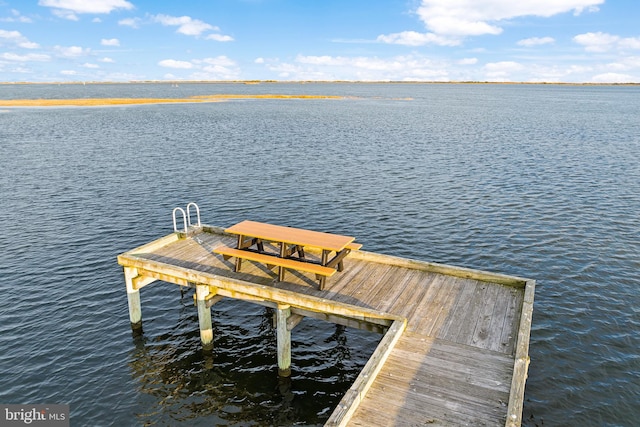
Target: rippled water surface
point(539, 181)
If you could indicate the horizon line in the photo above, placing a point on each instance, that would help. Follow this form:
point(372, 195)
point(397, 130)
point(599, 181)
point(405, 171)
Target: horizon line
point(84, 82)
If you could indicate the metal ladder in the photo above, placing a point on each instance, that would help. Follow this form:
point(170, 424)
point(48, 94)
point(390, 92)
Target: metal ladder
point(186, 218)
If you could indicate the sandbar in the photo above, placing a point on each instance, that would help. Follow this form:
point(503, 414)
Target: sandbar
point(90, 102)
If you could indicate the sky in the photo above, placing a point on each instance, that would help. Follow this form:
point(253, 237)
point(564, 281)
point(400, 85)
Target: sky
point(572, 41)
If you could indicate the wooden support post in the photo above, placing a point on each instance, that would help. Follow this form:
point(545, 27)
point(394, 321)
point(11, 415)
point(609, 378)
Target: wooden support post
point(204, 317)
point(240, 245)
point(284, 340)
point(283, 254)
point(133, 296)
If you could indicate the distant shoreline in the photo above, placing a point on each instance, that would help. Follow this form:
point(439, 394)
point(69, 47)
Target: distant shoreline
point(255, 82)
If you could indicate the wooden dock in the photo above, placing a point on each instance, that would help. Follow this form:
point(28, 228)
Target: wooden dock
point(455, 349)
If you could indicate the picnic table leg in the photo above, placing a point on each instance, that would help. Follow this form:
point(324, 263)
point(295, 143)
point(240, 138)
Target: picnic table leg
point(324, 261)
point(238, 259)
point(337, 260)
point(283, 254)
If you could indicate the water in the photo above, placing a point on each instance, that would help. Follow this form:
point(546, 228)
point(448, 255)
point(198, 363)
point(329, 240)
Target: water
point(535, 181)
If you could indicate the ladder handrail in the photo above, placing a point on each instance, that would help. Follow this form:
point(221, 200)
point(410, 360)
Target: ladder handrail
point(184, 220)
point(189, 213)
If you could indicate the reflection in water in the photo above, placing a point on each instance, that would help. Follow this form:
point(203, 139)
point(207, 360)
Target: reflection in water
point(238, 383)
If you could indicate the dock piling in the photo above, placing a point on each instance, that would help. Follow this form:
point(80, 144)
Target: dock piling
point(133, 297)
point(204, 317)
point(283, 312)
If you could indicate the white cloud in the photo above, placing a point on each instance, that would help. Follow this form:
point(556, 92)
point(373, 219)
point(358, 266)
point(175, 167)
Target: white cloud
point(477, 17)
point(13, 35)
point(632, 62)
point(596, 42)
point(536, 41)
point(25, 58)
point(172, 63)
point(107, 60)
point(29, 45)
point(603, 42)
point(450, 21)
point(617, 66)
point(110, 42)
point(630, 43)
point(214, 68)
point(17, 17)
point(71, 51)
point(21, 70)
point(322, 60)
point(17, 38)
point(219, 38)
point(222, 60)
point(459, 26)
point(413, 38)
point(68, 72)
point(130, 22)
point(186, 25)
point(613, 78)
point(89, 65)
point(218, 68)
point(409, 67)
point(83, 6)
point(468, 61)
point(502, 70)
point(65, 14)
point(503, 66)
point(259, 61)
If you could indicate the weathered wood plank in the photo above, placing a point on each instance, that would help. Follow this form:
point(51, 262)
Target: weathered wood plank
point(510, 325)
point(438, 309)
point(445, 269)
point(521, 364)
point(415, 289)
point(483, 330)
point(434, 409)
point(345, 278)
point(463, 331)
point(414, 382)
point(395, 287)
point(376, 288)
point(350, 402)
point(362, 285)
point(500, 311)
point(459, 313)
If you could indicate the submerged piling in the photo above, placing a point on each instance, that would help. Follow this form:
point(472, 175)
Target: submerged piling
point(133, 298)
point(204, 317)
point(284, 340)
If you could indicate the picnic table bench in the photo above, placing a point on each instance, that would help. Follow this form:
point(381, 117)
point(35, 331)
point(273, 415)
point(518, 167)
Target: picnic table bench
point(291, 241)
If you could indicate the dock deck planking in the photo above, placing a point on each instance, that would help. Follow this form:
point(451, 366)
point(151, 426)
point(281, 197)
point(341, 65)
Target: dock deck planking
point(458, 315)
point(454, 363)
point(441, 382)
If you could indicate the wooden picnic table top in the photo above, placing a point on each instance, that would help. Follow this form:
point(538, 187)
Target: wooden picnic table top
point(291, 235)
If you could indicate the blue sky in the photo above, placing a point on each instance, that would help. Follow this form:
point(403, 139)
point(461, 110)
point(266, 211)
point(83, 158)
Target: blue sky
point(368, 40)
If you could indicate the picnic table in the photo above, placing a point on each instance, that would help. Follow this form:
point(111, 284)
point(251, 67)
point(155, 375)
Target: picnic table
point(291, 242)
